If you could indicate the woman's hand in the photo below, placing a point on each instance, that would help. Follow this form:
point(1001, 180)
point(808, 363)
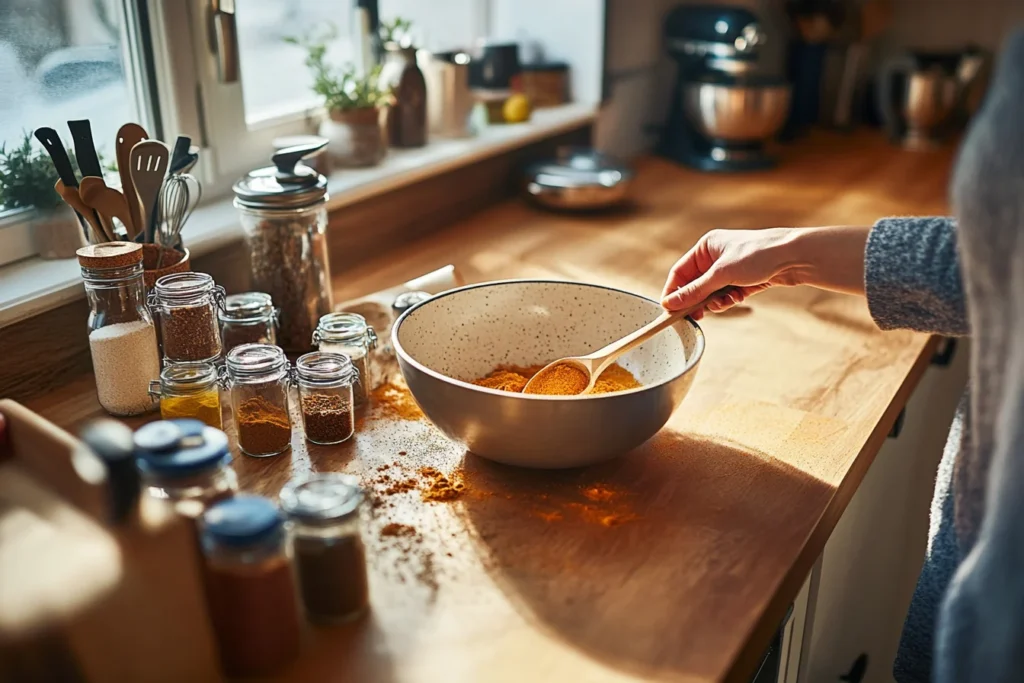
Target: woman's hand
point(754, 260)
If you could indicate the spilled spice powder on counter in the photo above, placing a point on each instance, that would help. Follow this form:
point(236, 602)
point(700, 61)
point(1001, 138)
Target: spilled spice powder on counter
point(395, 401)
point(561, 380)
point(441, 488)
point(513, 378)
point(395, 529)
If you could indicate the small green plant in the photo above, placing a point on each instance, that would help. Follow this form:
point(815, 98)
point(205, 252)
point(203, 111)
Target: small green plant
point(27, 176)
point(341, 87)
point(396, 31)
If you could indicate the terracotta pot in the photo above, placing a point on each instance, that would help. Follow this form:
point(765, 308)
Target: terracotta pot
point(56, 233)
point(173, 262)
point(355, 137)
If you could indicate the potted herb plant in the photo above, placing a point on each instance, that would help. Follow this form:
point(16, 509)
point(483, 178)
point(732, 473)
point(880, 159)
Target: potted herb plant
point(354, 104)
point(26, 182)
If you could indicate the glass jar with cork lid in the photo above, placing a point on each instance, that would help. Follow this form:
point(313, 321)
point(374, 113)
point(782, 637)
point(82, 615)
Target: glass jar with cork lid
point(189, 390)
point(122, 335)
point(348, 334)
point(283, 210)
point(257, 377)
point(187, 304)
point(248, 318)
point(325, 382)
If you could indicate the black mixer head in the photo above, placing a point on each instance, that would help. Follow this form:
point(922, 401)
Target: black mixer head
point(708, 31)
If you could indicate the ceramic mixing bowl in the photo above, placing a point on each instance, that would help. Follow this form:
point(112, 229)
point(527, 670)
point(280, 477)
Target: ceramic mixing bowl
point(446, 342)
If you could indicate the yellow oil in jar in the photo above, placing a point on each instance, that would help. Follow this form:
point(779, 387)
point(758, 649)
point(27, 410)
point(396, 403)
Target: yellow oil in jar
point(202, 405)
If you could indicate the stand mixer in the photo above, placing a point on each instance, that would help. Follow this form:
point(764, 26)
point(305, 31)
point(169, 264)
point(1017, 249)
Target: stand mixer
point(722, 110)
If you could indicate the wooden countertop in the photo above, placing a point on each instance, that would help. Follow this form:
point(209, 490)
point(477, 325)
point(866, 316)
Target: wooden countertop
point(674, 562)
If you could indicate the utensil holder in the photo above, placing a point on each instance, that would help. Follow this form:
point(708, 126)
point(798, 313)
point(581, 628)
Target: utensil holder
point(174, 261)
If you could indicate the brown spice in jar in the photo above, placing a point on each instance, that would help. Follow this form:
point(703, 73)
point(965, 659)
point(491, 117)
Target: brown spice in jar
point(190, 333)
point(327, 418)
point(332, 577)
point(263, 427)
point(235, 334)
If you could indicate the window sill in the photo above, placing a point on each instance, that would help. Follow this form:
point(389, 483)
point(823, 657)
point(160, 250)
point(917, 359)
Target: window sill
point(33, 285)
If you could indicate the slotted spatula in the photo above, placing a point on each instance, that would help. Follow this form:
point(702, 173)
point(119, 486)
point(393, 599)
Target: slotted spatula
point(148, 166)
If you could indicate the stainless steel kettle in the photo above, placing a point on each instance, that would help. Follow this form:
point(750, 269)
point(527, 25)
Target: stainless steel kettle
point(923, 96)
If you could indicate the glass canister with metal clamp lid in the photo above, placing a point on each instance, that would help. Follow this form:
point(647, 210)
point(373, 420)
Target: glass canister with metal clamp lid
point(189, 390)
point(348, 334)
point(257, 377)
point(283, 210)
point(188, 306)
point(248, 318)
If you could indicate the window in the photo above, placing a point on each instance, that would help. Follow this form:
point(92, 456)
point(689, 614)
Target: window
point(62, 60)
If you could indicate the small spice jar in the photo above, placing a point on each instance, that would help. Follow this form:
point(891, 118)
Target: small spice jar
point(248, 318)
point(325, 532)
point(249, 586)
point(349, 334)
point(257, 377)
point(189, 390)
point(187, 304)
point(283, 210)
point(186, 462)
point(122, 337)
point(325, 395)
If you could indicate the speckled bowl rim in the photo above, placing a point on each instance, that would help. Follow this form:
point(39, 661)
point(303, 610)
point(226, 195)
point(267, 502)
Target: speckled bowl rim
point(690, 362)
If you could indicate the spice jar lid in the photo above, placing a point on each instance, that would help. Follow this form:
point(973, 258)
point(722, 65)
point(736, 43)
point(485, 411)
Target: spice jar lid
point(318, 367)
point(341, 327)
point(189, 376)
point(407, 300)
point(110, 255)
point(243, 520)
point(287, 184)
point(182, 286)
point(322, 498)
point(180, 447)
point(255, 359)
point(247, 307)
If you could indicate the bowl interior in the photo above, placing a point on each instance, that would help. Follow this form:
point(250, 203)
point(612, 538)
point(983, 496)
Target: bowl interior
point(467, 333)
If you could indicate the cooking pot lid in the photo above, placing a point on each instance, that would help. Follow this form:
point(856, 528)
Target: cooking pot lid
point(288, 184)
point(580, 167)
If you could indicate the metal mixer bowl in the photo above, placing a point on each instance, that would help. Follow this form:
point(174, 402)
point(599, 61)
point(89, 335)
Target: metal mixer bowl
point(737, 112)
point(446, 342)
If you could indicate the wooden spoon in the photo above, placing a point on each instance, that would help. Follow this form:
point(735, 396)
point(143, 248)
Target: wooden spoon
point(128, 136)
point(72, 198)
point(593, 364)
point(107, 201)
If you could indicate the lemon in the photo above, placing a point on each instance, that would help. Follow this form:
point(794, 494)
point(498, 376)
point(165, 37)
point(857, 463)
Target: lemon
point(517, 109)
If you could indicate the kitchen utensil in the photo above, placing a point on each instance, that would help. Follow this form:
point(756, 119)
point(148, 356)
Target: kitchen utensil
point(179, 154)
point(445, 342)
point(62, 164)
point(128, 136)
point(717, 50)
point(107, 201)
point(178, 199)
point(72, 198)
point(148, 166)
point(85, 148)
point(449, 99)
point(593, 364)
point(579, 178)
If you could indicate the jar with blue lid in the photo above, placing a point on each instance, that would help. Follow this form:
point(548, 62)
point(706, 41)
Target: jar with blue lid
point(186, 462)
point(250, 586)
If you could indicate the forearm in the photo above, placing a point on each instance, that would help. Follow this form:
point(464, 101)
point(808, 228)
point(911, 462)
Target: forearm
point(831, 257)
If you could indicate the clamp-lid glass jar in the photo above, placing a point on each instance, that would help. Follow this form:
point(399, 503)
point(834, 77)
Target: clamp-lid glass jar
point(187, 304)
point(348, 333)
point(325, 396)
point(250, 586)
point(325, 530)
point(283, 210)
point(186, 462)
point(257, 377)
point(122, 337)
point(248, 318)
point(189, 390)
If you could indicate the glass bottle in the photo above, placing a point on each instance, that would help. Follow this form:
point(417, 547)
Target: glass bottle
point(257, 377)
point(186, 462)
point(122, 336)
point(325, 382)
point(325, 533)
point(283, 211)
point(349, 334)
point(189, 390)
point(248, 318)
point(187, 304)
point(407, 117)
point(250, 587)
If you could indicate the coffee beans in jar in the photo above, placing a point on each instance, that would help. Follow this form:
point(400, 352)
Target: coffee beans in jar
point(187, 304)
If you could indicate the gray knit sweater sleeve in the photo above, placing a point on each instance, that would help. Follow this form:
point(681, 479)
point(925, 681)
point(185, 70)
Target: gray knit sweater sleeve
point(912, 276)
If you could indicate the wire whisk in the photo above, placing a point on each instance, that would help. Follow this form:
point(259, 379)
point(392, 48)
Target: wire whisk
point(178, 199)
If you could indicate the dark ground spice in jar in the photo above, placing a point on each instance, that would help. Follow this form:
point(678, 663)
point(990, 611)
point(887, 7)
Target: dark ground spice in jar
point(190, 333)
point(328, 418)
point(332, 576)
point(263, 427)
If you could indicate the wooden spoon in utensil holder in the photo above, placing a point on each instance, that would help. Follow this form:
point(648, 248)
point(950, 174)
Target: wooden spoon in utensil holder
point(72, 198)
point(129, 135)
point(592, 365)
point(107, 201)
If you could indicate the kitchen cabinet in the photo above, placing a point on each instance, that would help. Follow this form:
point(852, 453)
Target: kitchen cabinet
point(862, 585)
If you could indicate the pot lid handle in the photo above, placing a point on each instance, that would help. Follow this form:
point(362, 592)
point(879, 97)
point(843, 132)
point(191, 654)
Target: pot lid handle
point(288, 158)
